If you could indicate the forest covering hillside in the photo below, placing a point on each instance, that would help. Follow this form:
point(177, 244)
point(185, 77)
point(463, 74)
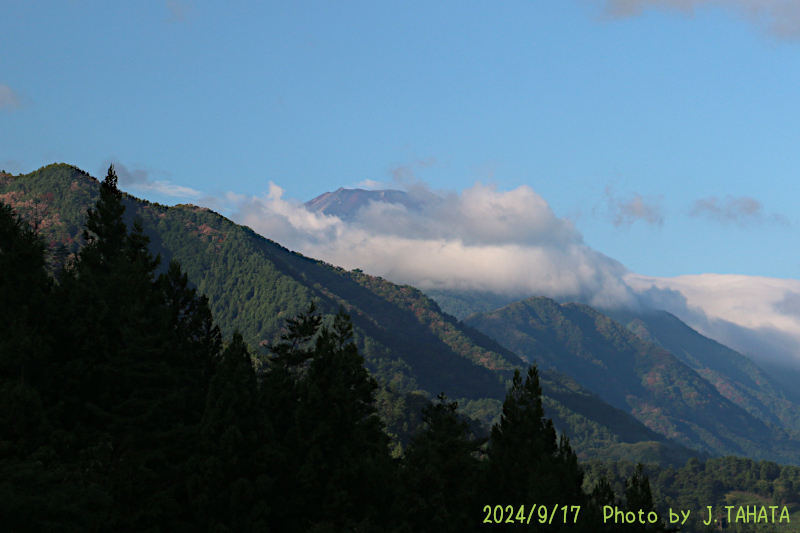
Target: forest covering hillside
point(254, 284)
point(637, 376)
point(735, 376)
point(125, 411)
point(732, 486)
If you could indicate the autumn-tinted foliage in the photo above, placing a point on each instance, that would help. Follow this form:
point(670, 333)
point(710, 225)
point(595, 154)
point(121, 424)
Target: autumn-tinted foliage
point(123, 411)
point(138, 420)
point(254, 285)
point(636, 376)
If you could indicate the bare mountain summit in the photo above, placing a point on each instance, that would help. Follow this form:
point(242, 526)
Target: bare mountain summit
point(345, 203)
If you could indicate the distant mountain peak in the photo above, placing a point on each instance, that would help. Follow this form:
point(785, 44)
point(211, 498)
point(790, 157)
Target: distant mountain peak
point(345, 203)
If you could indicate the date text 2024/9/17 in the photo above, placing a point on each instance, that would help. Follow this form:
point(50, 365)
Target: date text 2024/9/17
point(505, 514)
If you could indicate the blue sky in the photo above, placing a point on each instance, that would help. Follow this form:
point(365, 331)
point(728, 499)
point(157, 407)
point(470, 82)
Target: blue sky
point(670, 137)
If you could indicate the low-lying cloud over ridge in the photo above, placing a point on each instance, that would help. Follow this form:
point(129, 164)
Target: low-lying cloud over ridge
point(508, 242)
point(511, 243)
point(754, 315)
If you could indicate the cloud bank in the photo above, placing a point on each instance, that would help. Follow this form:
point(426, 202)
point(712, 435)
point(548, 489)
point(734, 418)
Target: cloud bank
point(756, 316)
point(780, 18)
point(511, 243)
point(508, 242)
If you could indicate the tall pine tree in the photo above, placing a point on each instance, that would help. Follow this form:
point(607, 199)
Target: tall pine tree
point(337, 452)
point(527, 463)
point(25, 295)
point(232, 485)
point(440, 485)
point(136, 357)
point(639, 497)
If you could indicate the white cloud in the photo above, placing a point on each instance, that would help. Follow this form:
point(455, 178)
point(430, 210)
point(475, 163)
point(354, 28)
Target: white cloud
point(405, 174)
point(508, 242)
point(373, 185)
point(511, 243)
point(139, 179)
point(780, 18)
point(756, 316)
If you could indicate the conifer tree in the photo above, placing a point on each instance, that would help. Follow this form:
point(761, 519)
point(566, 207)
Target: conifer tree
point(345, 451)
point(196, 341)
point(439, 480)
point(35, 494)
point(639, 497)
point(105, 231)
point(25, 310)
point(25, 340)
point(601, 496)
point(233, 477)
point(527, 464)
point(338, 465)
point(136, 362)
point(280, 398)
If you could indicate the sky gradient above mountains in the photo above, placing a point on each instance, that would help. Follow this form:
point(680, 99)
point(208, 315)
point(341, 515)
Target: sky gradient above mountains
point(574, 143)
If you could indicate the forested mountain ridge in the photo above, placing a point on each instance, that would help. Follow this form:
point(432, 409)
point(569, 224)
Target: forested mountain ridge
point(734, 375)
point(766, 391)
point(254, 285)
point(123, 411)
point(634, 375)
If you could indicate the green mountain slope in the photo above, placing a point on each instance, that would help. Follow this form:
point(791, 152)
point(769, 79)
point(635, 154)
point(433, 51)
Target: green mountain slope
point(735, 376)
point(254, 284)
point(635, 376)
point(602, 432)
point(463, 303)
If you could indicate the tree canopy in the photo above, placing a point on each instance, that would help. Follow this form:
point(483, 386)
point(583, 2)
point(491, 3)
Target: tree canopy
point(123, 410)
